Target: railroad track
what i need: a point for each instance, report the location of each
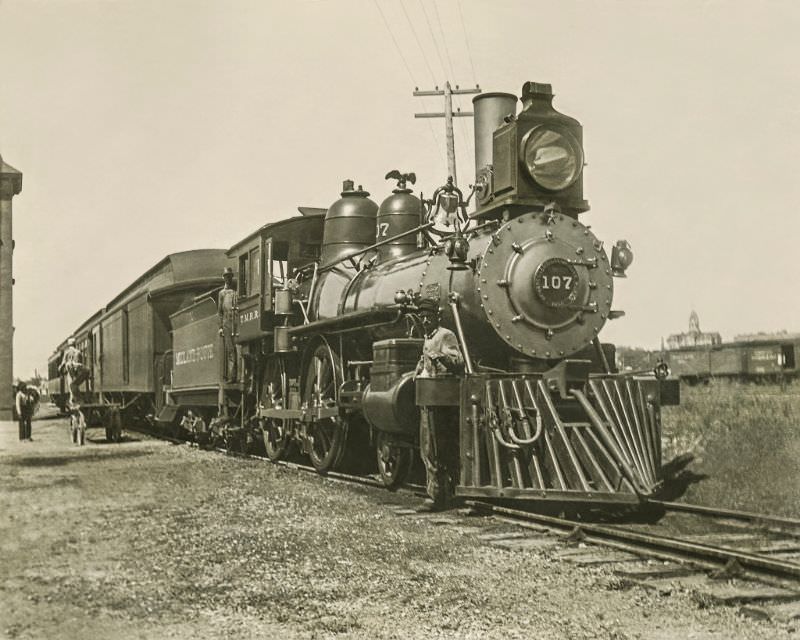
(776, 522)
(759, 570)
(706, 555)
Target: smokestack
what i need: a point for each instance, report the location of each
(489, 109)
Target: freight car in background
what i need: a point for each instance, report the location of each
(767, 360)
(127, 343)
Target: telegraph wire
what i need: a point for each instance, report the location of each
(396, 45)
(466, 42)
(462, 128)
(444, 40)
(410, 74)
(419, 44)
(433, 37)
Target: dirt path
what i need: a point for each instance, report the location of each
(150, 540)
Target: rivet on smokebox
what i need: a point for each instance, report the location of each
(501, 283)
(516, 318)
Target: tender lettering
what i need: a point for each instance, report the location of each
(195, 354)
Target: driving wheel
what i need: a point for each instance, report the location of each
(274, 392)
(327, 436)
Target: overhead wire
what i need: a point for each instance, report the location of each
(396, 45)
(466, 42)
(444, 40)
(462, 127)
(419, 44)
(437, 144)
(433, 37)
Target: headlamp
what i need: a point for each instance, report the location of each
(552, 156)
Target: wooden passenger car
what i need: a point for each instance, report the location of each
(126, 343)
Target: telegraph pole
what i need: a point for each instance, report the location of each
(448, 116)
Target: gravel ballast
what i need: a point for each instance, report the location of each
(147, 539)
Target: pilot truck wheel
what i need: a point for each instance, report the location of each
(394, 461)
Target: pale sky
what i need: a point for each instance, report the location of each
(148, 127)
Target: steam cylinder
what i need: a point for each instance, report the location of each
(349, 224)
(400, 212)
(489, 109)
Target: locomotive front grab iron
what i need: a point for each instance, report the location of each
(526, 286)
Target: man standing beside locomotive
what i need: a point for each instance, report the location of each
(226, 308)
(438, 426)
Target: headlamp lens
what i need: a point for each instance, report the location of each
(553, 158)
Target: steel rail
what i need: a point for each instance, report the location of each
(659, 546)
(777, 521)
(647, 541)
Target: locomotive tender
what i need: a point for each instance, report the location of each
(329, 334)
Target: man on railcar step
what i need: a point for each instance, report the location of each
(438, 427)
(227, 324)
(73, 368)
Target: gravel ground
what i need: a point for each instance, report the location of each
(146, 539)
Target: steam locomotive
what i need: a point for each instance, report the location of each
(328, 333)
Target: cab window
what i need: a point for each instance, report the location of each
(254, 272)
(243, 273)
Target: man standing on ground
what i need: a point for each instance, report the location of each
(438, 427)
(226, 308)
(25, 401)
